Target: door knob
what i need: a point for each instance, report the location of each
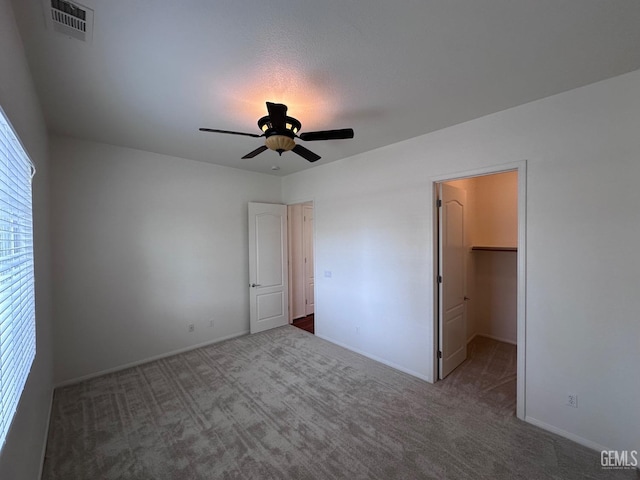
(254, 285)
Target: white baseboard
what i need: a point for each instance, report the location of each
(147, 360)
(377, 359)
(563, 433)
(571, 436)
(493, 337)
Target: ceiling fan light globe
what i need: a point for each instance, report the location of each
(280, 143)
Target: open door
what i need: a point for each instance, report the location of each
(451, 279)
(307, 235)
(268, 275)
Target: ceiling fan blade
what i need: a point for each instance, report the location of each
(256, 152)
(327, 135)
(306, 153)
(230, 132)
(277, 114)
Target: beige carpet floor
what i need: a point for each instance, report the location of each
(285, 404)
(487, 377)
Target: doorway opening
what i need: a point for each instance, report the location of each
(479, 274)
(301, 266)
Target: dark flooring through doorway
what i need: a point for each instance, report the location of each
(305, 323)
(487, 376)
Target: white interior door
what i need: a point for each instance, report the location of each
(296, 263)
(451, 308)
(268, 266)
(307, 234)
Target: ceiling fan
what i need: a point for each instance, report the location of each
(280, 131)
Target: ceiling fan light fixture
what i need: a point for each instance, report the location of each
(280, 143)
(291, 127)
(281, 131)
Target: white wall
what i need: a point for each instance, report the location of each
(495, 294)
(496, 214)
(145, 244)
(21, 456)
(374, 233)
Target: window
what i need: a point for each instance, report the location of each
(17, 299)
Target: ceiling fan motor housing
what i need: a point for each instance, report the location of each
(280, 139)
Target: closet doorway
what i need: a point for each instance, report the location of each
(479, 265)
(301, 266)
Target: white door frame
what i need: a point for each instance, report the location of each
(521, 168)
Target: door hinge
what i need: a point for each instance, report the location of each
(439, 278)
(439, 203)
(439, 354)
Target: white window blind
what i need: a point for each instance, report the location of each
(17, 299)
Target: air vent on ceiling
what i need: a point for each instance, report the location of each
(70, 19)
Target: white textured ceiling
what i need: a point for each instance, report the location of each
(158, 70)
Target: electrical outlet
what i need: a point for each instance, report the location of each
(572, 400)
(192, 327)
(210, 324)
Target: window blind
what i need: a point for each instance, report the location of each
(17, 298)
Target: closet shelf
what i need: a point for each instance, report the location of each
(494, 249)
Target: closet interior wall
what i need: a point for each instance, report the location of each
(491, 273)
